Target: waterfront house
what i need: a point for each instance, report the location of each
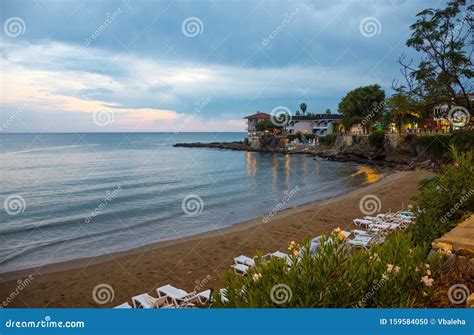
(252, 121)
(268, 136)
(317, 124)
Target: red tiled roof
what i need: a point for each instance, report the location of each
(258, 116)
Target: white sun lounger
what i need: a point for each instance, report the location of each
(281, 255)
(147, 301)
(179, 297)
(360, 232)
(124, 305)
(244, 260)
(361, 241)
(240, 269)
(362, 222)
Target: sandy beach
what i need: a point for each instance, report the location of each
(198, 262)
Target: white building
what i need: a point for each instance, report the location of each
(317, 124)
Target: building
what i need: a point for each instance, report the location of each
(317, 124)
(252, 121)
(444, 117)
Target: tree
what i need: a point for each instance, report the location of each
(362, 105)
(303, 107)
(267, 124)
(401, 105)
(444, 73)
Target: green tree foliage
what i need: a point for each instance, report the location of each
(303, 107)
(266, 124)
(362, 104)
(401, 106)
(443, 37)
(386, 276)
(444, 199)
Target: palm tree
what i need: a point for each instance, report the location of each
(303, 107)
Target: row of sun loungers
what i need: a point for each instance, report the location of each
(169, 297)
(376, 229)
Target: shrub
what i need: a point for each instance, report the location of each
(444, 199)
(328, 139)
(462, 140)
(246, 142)
(377, 140)
(385, 276)
(435, 145)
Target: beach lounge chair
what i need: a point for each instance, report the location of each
(180, 298)
(360, 232)
(147, 301)
(204, 297)
(124, 305)
(244, 260)
(362, 222)
(363, 241)
(279, 254)
(240, 269)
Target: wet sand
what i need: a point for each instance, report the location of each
(197, 262)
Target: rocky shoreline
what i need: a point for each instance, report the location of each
(394, 162)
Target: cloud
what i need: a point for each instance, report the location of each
(152, 76)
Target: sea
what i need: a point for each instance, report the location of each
(67, 196)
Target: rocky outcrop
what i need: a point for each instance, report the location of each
(393, 152)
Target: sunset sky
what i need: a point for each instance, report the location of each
(190, 65)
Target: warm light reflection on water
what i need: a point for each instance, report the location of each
(251, 164)
(372, 175)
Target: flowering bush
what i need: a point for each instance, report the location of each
(390, 275)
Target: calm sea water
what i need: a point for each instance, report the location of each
(68, 196)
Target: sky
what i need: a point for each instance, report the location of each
(178, 66)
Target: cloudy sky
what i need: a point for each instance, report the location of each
(77, 66)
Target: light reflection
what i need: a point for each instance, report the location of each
(251, 164)
(372, 175)
(275, 172)
(287, 169)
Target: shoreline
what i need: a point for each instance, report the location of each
(197, 262)
(235, 227)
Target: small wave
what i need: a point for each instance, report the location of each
(50, 148)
